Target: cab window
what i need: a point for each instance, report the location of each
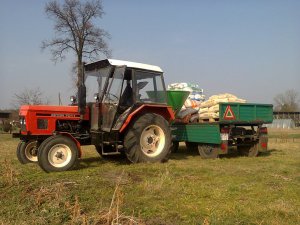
(149, 87)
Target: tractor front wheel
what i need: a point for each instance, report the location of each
(59, 153)
(148, 139)
(27, 151)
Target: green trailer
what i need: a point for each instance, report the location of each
(240, 127)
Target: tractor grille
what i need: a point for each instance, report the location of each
(23, 123)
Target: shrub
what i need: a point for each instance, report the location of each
(7, 127)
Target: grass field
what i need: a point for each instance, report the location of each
(185, 190)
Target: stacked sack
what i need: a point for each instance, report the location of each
(196, 96)
(210, 108)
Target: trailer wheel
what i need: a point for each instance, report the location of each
(27, 152)
(191, 146)
(59, 153)
(250, 151)
(208, 151)
(148, 139)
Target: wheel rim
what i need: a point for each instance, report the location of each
(152, 140)
(208, 150)
(59, 155)
(31, 151)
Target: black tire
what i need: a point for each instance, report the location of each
(21, 159)
(208, 151)
(142, 135)
(45, 142)
(175, 146)
(250, 151)
(27, 152)
(191, 146)
(58, 153)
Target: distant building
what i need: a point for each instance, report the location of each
(295, 116)
(282, 124)
(4, 115)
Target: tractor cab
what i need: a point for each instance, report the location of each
(117, 89)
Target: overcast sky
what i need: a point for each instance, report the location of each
(249, 48)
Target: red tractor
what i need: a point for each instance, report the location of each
(123, 109)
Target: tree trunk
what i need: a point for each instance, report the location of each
(79, 72)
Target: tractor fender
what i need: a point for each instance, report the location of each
(163, 110)
(74, 139)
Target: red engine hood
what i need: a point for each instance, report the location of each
(52, 110)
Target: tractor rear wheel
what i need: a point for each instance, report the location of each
(208, 151)
(148, 139)
(27, 151)
(249, 150)
(59, 153)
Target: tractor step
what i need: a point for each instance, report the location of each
(111, 153)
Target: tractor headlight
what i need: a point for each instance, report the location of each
(23, 123)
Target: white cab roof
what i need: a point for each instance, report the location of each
(136, 65)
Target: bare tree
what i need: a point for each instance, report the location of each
(30, 97)
(76, 32)
(287, 102)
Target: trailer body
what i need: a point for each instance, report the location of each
(240, 125)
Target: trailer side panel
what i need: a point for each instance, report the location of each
(201, 133)
(247, 113)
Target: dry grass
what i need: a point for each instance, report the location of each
(8, 173)
(114, 214)
(186, 190)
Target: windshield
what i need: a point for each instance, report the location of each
(95, 82)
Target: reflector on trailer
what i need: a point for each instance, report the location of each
(229, 115)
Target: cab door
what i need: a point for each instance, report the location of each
(111, 98)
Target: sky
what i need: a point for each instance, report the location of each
(249, 48)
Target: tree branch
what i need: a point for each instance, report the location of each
(75, 31)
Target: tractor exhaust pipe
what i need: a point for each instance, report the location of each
(81, 92)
